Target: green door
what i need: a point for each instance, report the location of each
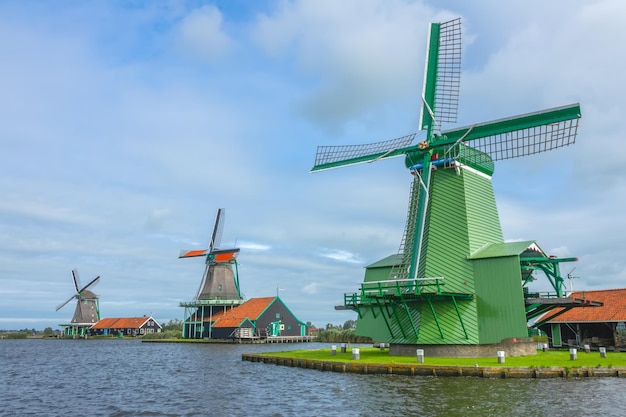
(556, 335)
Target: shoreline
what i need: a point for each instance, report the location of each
(436, 370)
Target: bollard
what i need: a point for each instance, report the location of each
(572, 354)
(420, 355)
(355, 354)
(603, 352)
(333, 350)
(343, 348)
(587, 348)
(545, 347)
(500, 356)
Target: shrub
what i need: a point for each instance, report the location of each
(17, 335)
(167, 334)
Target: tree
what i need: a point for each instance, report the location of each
(48, 331)
(174, 324)
(349, 324)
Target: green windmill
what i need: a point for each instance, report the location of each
(455, 281)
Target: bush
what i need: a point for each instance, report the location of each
(17, 335)
(342, 336)
(167, 334)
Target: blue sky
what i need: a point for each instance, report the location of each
(125, 125)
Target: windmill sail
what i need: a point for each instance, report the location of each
(328, 157)
(442, 75)
(219, 280)
(216, 237)
(192, 253)
(515, 137)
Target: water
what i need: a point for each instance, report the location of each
(130, 378)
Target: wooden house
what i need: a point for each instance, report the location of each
(264, 317)
(601, 326)
(129, 326)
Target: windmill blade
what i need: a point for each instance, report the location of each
(91, 284)
(513, 137)
(328, 157)
(76, 279)
(60, 306)
(192, 253)
(224, 255)
(442, 75)
(216, 237)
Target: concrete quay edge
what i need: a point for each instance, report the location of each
(355, 366)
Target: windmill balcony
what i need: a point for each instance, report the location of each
(400, 289)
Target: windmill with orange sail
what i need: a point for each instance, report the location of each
(219, 288)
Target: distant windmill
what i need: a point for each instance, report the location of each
(87, 310)
(449, 283)
(570, 277)
(219, 287)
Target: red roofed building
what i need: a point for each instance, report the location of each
(263, 317)
(595, 326)
(129, 326)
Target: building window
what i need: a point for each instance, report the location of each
(621, 327)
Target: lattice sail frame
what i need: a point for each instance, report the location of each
(448, 72)
(328, 157)
(515, 143)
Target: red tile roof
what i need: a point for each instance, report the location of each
(121, 323)
(613, 310)
(251, 310)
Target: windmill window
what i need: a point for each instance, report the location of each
(219, 287)
(277, 315)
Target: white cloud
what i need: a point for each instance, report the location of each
(310, 289)
(202, 35)
(341, 256)
(252, 246)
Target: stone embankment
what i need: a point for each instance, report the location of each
(437, 370)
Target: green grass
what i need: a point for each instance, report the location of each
(556, 358)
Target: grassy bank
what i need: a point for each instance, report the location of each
(553, 358)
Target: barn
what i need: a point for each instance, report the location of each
(601, 326)
(263, 317)
(128, 326)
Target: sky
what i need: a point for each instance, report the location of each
(124, 126)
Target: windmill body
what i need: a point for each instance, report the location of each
(454, 281)
(219, 288)
(87, 311)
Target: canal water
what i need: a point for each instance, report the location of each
(130, 378)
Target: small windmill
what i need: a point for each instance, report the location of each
(87, 310)
(219, 281)
(452, 217)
